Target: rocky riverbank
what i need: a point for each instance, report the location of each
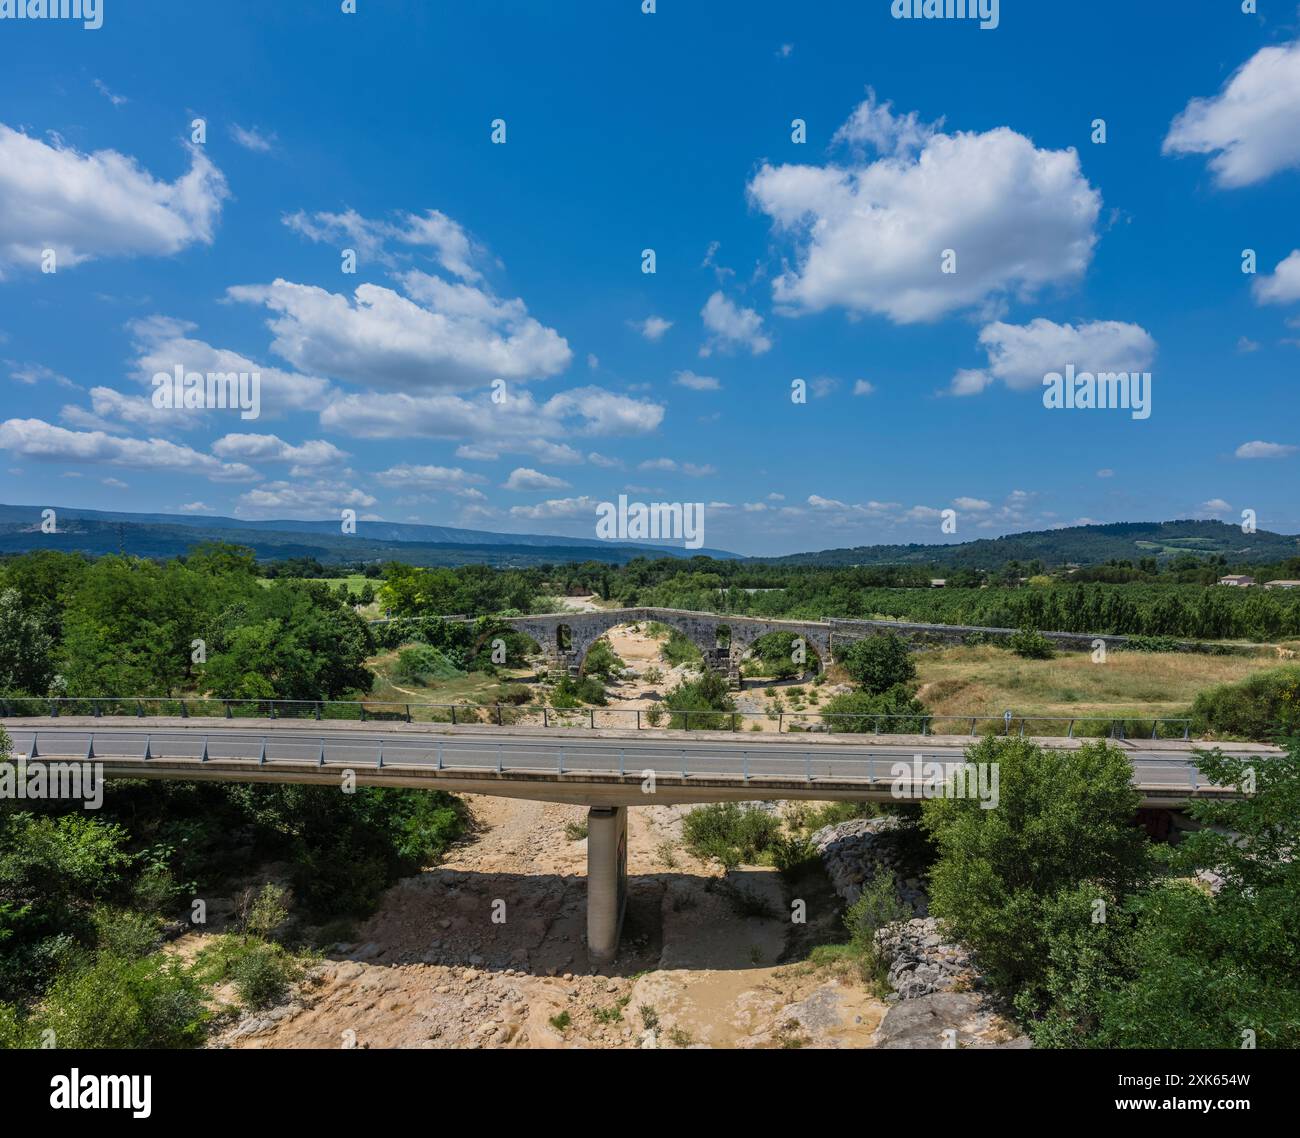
(939, 998)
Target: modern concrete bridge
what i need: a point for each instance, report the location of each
(607, 771)
(566, 637)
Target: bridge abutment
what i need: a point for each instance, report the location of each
(606, 880)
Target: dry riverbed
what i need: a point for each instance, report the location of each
(433, 969)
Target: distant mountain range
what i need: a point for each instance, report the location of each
(167, 535)
(1075, 545)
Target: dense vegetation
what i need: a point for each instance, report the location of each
(205, 624)
(1174, 599)
(1103, 941)
(87, 900)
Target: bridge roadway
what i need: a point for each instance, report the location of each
(607, 771)
(601, 768)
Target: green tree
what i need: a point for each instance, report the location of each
(1062, 818)
(878, 663)
(861, 711)
(26, 664)
(700, 697)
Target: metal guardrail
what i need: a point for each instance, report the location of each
(470, 755)
(499, 714)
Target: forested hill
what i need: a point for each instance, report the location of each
(1075, 545)
(97, 532)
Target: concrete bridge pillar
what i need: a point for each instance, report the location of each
(606, 880)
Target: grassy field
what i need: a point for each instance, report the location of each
(354, 582)
(986, 681)
(476, 687)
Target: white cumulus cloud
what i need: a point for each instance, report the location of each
(1283, 287)
(1259, 449)
(731, 327)
(1021, 354)
(104, 204)
(870, 235)
(439, 336)
(1250, 126)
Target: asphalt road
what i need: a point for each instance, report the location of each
(696, 756)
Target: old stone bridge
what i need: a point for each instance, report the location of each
(566, 637)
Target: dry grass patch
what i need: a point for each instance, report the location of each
(987, 680)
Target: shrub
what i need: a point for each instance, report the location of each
(678, 649)
(774, 655)
(1031, 644)
(700, 697)
(730, 832)
(261, 913)
(264, 975)
(863, 711)
(878, 663)
(1063, 818)
(570, 693)
(1261, 707)
(421, 663)
(604, 662)
(262, 972)
(793, 853)
(125, 934)
(878, 906)
(151, 1002)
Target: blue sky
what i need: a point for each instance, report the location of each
(775, 261)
